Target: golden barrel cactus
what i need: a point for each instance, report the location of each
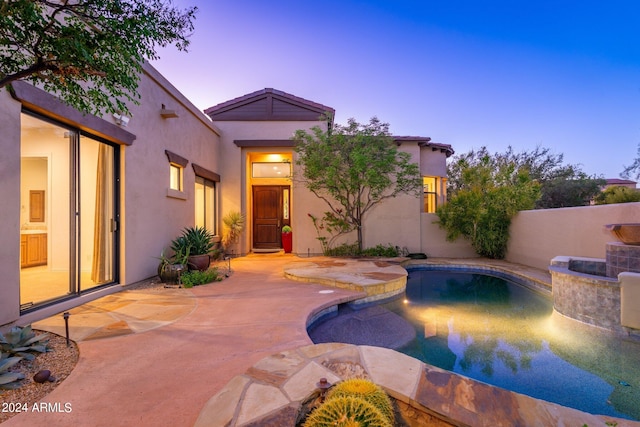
(347, 411)
(367, 390)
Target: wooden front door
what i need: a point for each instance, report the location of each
(268, 215)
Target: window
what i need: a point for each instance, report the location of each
(271, 170)
(177, 164)
(205, 198)
(175, 177)
(70, 246)
(435, 191)
(205, 204)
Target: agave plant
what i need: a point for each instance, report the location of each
(20, 341)
(9, 380)
(199, 239)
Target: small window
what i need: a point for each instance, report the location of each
(175, 177)
(177, 164)
(271, 170)
(435, 191)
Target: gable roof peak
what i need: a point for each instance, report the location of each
(268, 104)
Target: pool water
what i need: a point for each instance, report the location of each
(501, 333)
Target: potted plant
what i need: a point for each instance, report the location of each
(171, 267)
(287, 239)
(200, 244)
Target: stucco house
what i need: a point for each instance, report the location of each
(90, 202)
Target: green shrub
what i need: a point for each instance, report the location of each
(347, 411)
(367, 390)
(352, 249)
(21, 341)
(194, 277)
(381, 250)
(344, 249)
(618, 194)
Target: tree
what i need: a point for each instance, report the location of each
(633, 170)
(87, 52)
(561, 185)
(489, 191)
(618, 194)
(354, 168)
(562, 193)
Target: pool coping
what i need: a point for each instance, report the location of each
(270, 392)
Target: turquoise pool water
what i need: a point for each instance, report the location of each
(502, 333)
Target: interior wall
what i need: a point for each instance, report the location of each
(48, 141)
(35, 173)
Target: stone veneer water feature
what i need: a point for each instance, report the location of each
(602, 292)
(582, 292)
(622, 258)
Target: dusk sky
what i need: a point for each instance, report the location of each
(558, 74)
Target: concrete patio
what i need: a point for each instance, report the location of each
(164, 357)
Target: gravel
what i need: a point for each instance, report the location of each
(60, 360)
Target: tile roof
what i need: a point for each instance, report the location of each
(425, 141)
(266, 91)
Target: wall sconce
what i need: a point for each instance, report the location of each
(121, 119)
(168, 114)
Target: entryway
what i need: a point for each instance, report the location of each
(271, 211)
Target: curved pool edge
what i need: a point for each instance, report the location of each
(271, 391)
(535, 279)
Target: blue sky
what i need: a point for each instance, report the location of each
(559, 74)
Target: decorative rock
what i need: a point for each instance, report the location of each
(43, 376)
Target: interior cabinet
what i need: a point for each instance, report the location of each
(36, 206)
(33, 249)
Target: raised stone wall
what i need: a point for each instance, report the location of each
(594, 300)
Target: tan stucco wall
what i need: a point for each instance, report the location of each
(396, 221)
(433, 163)
(435, 244)
(236, 194)
(152, 219)
(538, 236)
(10, 207)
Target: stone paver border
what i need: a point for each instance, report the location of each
(271, 392)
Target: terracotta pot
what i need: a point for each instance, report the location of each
(199, 262)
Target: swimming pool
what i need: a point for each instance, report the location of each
(502, 333)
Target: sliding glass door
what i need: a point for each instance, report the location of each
(68, 211)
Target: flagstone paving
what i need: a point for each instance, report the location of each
(123, 313)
